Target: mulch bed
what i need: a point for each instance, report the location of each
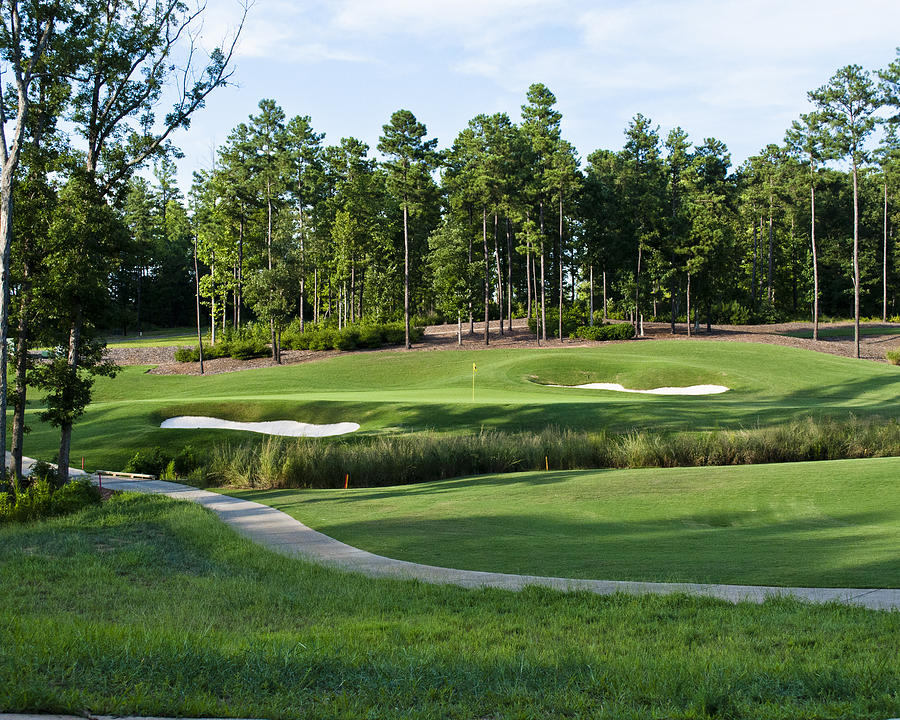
(444, 337)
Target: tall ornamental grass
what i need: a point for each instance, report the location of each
(425, 457)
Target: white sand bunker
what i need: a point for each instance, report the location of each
(287, 428)
(690, 390)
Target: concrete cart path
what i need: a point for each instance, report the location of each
(284, 534)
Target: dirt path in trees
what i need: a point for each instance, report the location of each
(444, 337)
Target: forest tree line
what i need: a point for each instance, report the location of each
(509, 222)
(286, 229)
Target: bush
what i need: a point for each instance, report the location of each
(247, 349)
(370, 336)
(893, 356)
(34, 503)
(618, 331)
(151, 461)
(573, 317)
(73, 496)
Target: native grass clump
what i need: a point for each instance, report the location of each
(430, 456)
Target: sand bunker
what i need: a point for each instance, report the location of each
(287, 428)
(690, 390)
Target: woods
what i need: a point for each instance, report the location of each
(287, 233)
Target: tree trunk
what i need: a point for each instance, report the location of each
(316, 295)
(528, 271)
(770, 289)
(459, 328)
(591, 304)
(197, 287)
(560, 264)
(6, 219)
(487, 277)
(18, 429)
(65, 430)
(815, 259)
(855, 257)
(499, 272)
(240, 283)
(689, 303)
(755, 253)
(605, 316)
(509, 285)
(543, 282)
(406, 271)
(637, 286)
(885, 268)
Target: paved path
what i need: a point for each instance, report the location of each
(284, 534)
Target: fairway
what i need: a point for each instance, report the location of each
(824, 524)
(390, 391)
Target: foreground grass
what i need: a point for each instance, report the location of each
(400, 392)
(823, 524)
(151, 607)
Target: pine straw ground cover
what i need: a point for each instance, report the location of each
(151, 607)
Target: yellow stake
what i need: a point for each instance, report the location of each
(474, 370)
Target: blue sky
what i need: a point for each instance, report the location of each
(735, 70)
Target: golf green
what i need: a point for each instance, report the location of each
(396, 391)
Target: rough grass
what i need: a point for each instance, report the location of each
(825, 524)
(847, 331)
(150, 607)
(416, 458)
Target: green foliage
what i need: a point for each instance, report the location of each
(617, 331)
(239, 348)
(163, 463)
(350, 337)
(400, 460)
(573, 316)
(42, 499)
(893, 357)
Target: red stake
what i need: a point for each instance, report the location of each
(346, 480)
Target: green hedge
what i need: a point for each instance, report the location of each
(893, 357)
(350, 337)
(240, 349)
(617, 331)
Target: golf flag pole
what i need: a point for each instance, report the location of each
(474, 370)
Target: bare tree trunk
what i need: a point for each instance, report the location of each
(471, 305)
(770, 289)
(240, 283)
(560, 264)
(316, 295)
(689, 303)
(499, 273)
(65, 430)
(509, 286)
(18, 429)
(543, 282)
(528, 263)
(592, 296)
(487, 277)
(197, 288)
(605, 316)
(637, 286)
(755, 253)
(815, 259)
(406, 271)
(885, 268)
(855, 257)
(459, 328)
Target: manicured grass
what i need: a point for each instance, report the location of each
(823, 524)
(391, 391)
(847, 331)
(157, 338)
(151, 607)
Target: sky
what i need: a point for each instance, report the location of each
(737, 70)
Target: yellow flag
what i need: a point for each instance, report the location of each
(474, 368)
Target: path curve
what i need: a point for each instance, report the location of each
(282, 533)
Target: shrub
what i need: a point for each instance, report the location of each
(34, 503)
(617, 331)
(370, 336)
(151, 461)
(249, 348)
(73, 496)
(893, 356)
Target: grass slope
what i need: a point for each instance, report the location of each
(845, 331)
(151, 607)
(393, 391)
(824, 524)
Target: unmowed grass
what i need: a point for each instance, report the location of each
(423, 457)
(151, 607)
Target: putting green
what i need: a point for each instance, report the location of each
(391, 391)
(824, 524)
